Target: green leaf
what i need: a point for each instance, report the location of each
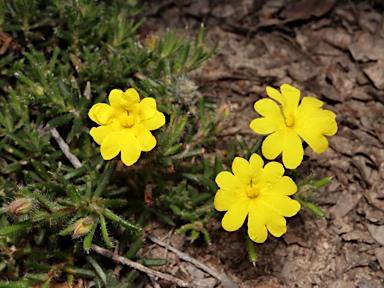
(60, 120)
(14, 228)
(104, 231)
(110, 168)
(88, 239)
(98, 269)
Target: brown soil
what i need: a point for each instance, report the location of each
(332, 50)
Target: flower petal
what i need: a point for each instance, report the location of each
(273, 145)
(256, 164)
(148, 108)
(115, 97)
(111, 145)
(129, 98)
(292, 98)
(131, 149)
(236, 215)
(315, 140)
(101, 113)
(273, 119)
(279, 205)
(225, 199)
(257, 230)
(146, 139)
(276, 95)
(99, 133)
(272, 173)
(241, 170)
(155, 122)
(309, 102)
(227, 181)
(312, 123)
(268, 108)
(286, 186)
(311, 116)
(293, 151)
(276, 225)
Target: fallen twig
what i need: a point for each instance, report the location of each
(225, 282)
(65, 148)
(139, 267)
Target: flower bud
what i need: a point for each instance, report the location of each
(20, 206)
(82, 227)
(322, 182)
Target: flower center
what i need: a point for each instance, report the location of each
(127, 120)
(253, 191)
(289, 120)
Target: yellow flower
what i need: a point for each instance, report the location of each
(291, 123)
(125, 125)
(261, 193)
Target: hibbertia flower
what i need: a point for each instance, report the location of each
(125, 125)
(261, 193)
(290, 123)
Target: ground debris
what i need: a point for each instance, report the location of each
(332, 50)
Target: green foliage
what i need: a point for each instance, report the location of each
(58, 196)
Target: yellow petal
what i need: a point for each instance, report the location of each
(155, 122)
(236, 215)
(111, 145)
(256, 167)
(309, 102)
(278, 205)
(286, 186)
(115, 97)
(227, 181)
(131, 149)
(225, 199)
(276, 225)
(273, 145)
(146, 139)
(293, 151)
(148, 108)
(276, 95)
(256, 162)
(267, 125)
(292, 98)
(241, 170)
(332, 124)
(101, 113)
(315, 140)
(268, 108)
(312, 123)
(99, 133)
(257, 230)
(129, 98)
(311, 116)
(272, 173)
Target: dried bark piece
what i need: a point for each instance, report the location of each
(375, 72)
(341, 284)
(377, 233)
(365, 171)
(305, 9)
(379, 253)
(359, 236)
(366, 47)
(337, 37)
(346, 202)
